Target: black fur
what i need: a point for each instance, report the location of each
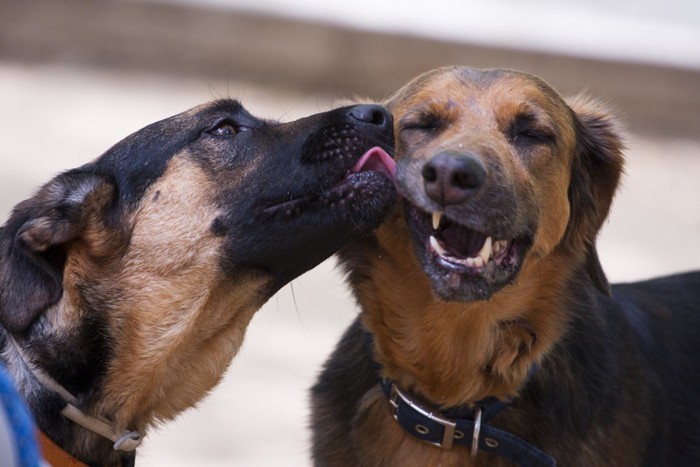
(628, 359)
(272, 183)
(618, 374)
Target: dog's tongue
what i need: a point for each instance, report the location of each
(376, 160)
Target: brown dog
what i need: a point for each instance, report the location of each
(488, 329)
(126, 285)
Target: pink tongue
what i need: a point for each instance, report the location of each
(376, 160)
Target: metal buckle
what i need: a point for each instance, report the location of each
(475, 435)
(449, 427)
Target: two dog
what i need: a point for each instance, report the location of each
(488, 332)
(126, 285)
(488, 328)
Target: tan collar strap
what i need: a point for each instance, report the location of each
(123, 440)
(54, 455)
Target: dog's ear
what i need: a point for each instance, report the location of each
(595, 174)
(33, 243)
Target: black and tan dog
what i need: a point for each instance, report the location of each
(126, 285)
(488, 327)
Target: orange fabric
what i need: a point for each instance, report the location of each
(55, 455)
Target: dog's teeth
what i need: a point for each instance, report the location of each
(479, 261)
(485, 252)
(499, 247)
(437, 216)
(436, 246)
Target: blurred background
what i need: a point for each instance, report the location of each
(76, 76)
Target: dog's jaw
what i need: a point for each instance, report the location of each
(370, 177)
(462, 263)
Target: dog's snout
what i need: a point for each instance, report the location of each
(372, 114)
(450, 178)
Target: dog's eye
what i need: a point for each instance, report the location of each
(225, 128)
(422, 123)
(531, 136)
(525, 131)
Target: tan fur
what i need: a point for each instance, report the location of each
(416, 336)
(429, 330)
(130, 281)
(455, 353)
(206, 318)
(177, 271)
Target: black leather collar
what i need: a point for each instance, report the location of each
(463, 427)
(468, 427)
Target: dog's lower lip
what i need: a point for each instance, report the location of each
(352, 183)
(365, 181)
(456, 255)
(374, 163)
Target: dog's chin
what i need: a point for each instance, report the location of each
(303, 231)
(462, 263)
(360, 200)
(357, 201)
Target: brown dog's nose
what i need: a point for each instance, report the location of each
(450, 178)
(372, 114)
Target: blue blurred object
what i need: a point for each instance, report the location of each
(18, 446)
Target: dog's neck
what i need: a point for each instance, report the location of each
(125, 441)
(70, 428)
(140, 384)
(453, 353)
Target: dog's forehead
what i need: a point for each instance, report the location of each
(141, 158)
(204, 115)
(476, 90)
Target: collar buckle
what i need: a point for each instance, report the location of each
(449, 428)
(476, 433)
(123, 440)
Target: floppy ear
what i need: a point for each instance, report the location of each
(595, 174)
(32, 244)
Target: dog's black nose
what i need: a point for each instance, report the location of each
(450, 178)
(373, 114)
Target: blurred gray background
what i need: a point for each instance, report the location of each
(76, 76)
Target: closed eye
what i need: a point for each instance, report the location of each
(525, 130)
(422, 122)
(533, 136)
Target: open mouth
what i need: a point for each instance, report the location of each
(371, 176)
(464, 263)
(462, 248)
